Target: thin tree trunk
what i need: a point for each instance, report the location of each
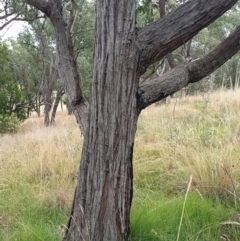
(47, 105)
(56, 103)
(67, 63)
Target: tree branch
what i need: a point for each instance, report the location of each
(19, 19)
(7, 23)
(41, 5)
(175, 79)
(168, 33)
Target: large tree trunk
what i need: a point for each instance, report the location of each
(104, 190)
(103, 194)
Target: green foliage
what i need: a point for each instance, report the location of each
(9, 124)
(10, 96)
(147, 9)
(83, 40)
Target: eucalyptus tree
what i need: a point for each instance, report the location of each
(122, 53)
(25, 62)
(15, 10)
(11, 95)
(47, 73)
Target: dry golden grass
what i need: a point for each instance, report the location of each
(46, 159)
(188, 136)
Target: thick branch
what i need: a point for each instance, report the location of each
(169, 83)
(166, 34)
(217, 57)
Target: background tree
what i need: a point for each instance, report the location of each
(10, 95)
(14, 10)
(37, 73)
(47, 73)
(26, 71)
(63, 25)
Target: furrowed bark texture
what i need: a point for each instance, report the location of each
(103, 195)
(174, 80)
(104, 192)
(175, 29)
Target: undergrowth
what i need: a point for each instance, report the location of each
(186, 137)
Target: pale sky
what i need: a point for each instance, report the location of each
(12, 30)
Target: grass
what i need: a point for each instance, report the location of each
(159, 218)
(186, 137)
(37, 179)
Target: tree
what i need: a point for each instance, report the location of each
(26, 69)
(39, 43)
(103, 195)
(61, 14)
(122, 54)
(10, 93)
(48, 74)
(11, 96)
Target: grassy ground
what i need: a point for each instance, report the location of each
(186, 138)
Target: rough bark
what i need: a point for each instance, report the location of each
(103, 195)
(169, 83)
(104, 191)
(168, 33)
(67, 65)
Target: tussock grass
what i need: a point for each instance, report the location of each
(190, 136)
(157, 218)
